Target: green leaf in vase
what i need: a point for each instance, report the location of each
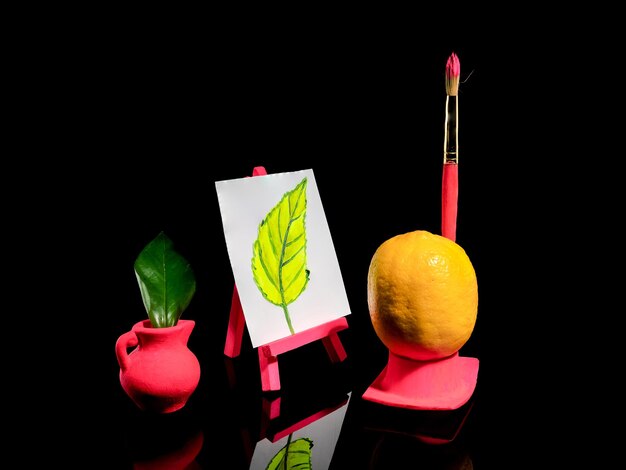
(295, 455)
(166, 281)
(279, 261)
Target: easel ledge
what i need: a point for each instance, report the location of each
(268, 353)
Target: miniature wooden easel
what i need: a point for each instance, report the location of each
(268, 353)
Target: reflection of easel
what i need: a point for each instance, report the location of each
(282, 416)
(268, 353)
(275, 429)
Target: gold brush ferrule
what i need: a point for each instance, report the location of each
(450, 141)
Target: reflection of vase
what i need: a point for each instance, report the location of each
(179, 459)
(161, 373)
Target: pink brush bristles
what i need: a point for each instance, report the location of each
(453, 70)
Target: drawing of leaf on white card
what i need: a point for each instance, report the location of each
(295, 455)
(279, 261)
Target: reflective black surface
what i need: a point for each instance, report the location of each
(159, 122)
(229, 419)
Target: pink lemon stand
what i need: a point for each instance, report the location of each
(268, 353)
(440, 384)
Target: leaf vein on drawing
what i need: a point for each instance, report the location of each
(278, 219)
(281, 264)
(284, 263)
(294, 455)
(272, 238)
(298, 237)
(265, 269)
(278, 264)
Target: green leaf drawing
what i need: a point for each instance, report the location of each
(166, 281)
(279, 261)
(295, 455)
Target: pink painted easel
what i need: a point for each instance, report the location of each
(268, 353)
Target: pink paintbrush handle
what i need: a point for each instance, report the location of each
(449, 198)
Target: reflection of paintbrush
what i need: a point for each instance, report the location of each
(450, 181)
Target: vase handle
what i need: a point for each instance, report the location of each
(127, 340)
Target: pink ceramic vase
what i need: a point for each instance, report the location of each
(161, 373)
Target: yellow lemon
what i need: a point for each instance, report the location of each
(422, 294)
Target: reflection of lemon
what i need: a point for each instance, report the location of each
(422, 295)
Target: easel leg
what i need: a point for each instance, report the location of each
(271, 408)
(270, 378)
(248, 447)
(334, 348)
(236, 324)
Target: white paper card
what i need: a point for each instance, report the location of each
(282, 254)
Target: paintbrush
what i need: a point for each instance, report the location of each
(450, 180)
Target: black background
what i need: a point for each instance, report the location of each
(155, 112)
